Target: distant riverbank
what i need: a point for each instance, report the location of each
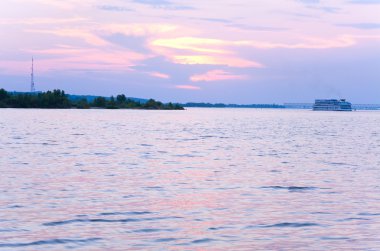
(221, 105)
(58, 99)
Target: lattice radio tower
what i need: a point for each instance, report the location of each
(32, 86)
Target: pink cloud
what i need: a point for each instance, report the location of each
(193, 44)
(216, 75)
(231, 61)
(82, 34)
(203, 51)
(188, 87)
(305, 43)
(138, 29)
(159, 75)
(71, 58)
(207, 51)
(57, 4)
(208, 45)
(40, 21)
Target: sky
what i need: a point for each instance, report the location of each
(230, 51)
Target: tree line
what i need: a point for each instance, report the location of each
(58, 99)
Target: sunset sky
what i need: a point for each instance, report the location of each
(232, 51)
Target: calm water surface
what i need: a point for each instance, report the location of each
(200, 179)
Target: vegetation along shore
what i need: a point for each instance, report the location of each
(58, 99)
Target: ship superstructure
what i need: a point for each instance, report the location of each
(332, 105)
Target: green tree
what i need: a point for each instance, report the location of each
(121, 99)
(3, 95)
(112, 103)
(83, 104)
(150, 104)
(99, 102)
(170, 105)
(178, 107)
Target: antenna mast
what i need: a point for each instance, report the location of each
(32, 86)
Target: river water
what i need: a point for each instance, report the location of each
(200, 179)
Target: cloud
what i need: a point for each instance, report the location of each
(315, 5)
(230, 23)
(362, 26)
(307, 43)
(191, 43)
(214, 20)
(206, 51)
(325, 9)
(300, 15)
(65, 5)
(188, 87)
(256, 28)
(83, 34)
(202, 51)
(216, 75)
(159, 75)
(106, 34)
(216, 45)
(153, 2)
(231, 61)
(41, 20)
(136, 43)
(74, 58)
(113, 8)
(365, 1)
(138, 29)
(308, 1)
(163, 4)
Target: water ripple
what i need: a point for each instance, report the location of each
(152, 230)
(166, 239)
(65, 222)
(290, 188)
(50, 242)
(369, 214)
(204, 240)
(287, 225)
(125, 213)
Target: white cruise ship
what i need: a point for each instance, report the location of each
(332, 105)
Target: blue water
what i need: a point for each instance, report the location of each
(200, 179)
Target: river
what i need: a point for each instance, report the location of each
(199, 179)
